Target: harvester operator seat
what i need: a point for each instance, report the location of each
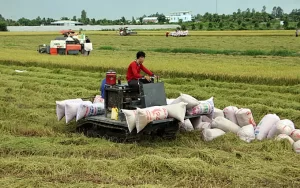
(152, 94)
(139, 82)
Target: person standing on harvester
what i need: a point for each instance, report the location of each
(133, 73)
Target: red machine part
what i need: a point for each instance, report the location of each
(111, 78)
(53, 51)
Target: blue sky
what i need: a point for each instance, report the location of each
(114, 9)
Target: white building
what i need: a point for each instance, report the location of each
(150, 20)
(185, 16)
(281, 22)
(66, 23)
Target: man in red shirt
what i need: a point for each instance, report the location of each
(133, 73)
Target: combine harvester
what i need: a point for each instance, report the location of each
(118, 96)
(68, 44)
(179, 33)
(126, 32)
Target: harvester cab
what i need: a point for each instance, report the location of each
(121, 96)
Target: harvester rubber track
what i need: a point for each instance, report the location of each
(117, 131)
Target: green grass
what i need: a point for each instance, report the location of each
(107, 48)
(282, 53)
(185, 162)
(38, 151)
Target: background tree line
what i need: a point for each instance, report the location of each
(239, 20)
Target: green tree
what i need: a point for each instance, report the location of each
(133, 21)
(198, 17)
(210, 26)
(286, 24)
(279, 12)
(83, 16)
(193, 26)
(87, 21)
(123, 20)
(217, 21)
(298, 25)
(64, 18)
(200, 26)
(244, 25)
(161, 18)
(141, 20)
(3, 26)
(25, 22)
(221, 25)
(274, 12)
(49, 20)
(2, 18)
(264, 9)
(38, 20)
(93, 21)
(239, 21)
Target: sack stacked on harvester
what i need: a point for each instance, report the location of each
(141, 117)
(175, 108)
(79, 109)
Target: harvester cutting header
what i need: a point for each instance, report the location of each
(70, 43)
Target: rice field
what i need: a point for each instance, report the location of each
(38, 151)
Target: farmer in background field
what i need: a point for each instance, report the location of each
(134, 77)
(297, 32)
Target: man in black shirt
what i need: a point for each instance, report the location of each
(87, 40)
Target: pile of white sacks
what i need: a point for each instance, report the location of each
(218, 122)
(78, 109)
(213, 123)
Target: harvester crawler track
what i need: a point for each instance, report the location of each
(117, 131)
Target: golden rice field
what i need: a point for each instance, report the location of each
(162, 32)
(38, 151)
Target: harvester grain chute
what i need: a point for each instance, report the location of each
(68, 44)
(121, 96)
